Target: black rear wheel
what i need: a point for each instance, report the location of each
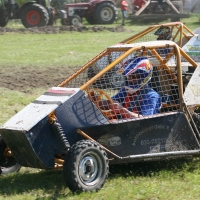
(34, 15)
(51, 17)
(3, 18)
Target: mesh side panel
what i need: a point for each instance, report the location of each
(152, 37)
(94, 69)
(158, 90)
(146, 38)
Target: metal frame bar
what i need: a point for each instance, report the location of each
(179, 25)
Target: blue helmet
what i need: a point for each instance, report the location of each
(137, 65)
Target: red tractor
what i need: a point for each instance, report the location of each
(94, 11)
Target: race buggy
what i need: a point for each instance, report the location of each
(188, 40)
(68, 127)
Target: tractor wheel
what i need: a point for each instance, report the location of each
(3, 22)
(34, 15)
(3, 18)
(105, 13)
(51, 17)
(74, 20)
(90, 20)
(64, 22)
(86, 166)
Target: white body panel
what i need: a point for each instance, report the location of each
(40, 108)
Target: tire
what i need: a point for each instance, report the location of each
(51, 17)
(10, 166)
(7, 165)
(64, 22)
(90, 20)
(74, 20)
(2, 150)
(85, 167)
(3, 18)
(34, 15)
(105, 13)
(4, 22)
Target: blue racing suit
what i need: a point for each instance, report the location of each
(146, 101)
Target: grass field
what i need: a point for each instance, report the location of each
(174, 180)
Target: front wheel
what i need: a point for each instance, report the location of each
(3, 22)
(86, 166)
(51, 14)
(105, 13)
(34, 15)
(74, 20)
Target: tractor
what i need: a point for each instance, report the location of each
(94, 11)
(32, 13)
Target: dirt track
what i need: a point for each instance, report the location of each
(61, 29)
(25, 79)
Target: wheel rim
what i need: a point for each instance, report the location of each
(89, 169)
(75, 21)
(106, 14)
(33, 17)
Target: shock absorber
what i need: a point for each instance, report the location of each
(58, 130)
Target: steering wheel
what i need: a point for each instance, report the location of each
(102, 101)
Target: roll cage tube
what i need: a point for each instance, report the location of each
(181, 28)
(128, 50)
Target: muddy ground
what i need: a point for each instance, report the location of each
(62, 29)
(25, 79)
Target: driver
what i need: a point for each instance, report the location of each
(164, 33)
(136, 98)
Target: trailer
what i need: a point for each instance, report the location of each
(152, 10)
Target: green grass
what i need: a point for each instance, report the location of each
(174, 180)
(41, 50)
